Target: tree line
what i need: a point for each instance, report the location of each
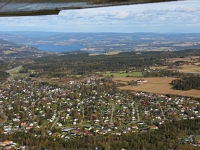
(83, 64)
(164, 138)
(186, 83)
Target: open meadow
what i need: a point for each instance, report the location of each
(155, 85)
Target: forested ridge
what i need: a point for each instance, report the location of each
(83, 64)
(164, 138)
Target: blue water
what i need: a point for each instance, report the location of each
(58, 48)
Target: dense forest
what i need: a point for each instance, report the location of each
(186, 83)
(83, 64)
(3, 74)
(163, 139)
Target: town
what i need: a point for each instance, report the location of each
(89, 107)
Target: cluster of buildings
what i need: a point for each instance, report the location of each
(193, 140)
(140, 82)
(86, 108)
(7, 144)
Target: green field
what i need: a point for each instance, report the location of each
(197, 138)
(76, 75)
(18, 69)
(133, 74)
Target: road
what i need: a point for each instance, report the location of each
(111, 118)
(138, 113)
(54, 123)
(5, 117)
(11, 71)
(162, 111)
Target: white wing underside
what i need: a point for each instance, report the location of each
(49, 7)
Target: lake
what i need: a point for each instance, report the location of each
(58, 48)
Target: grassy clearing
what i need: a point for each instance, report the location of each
(15, 72)
(94, 54)
(18, 69)
(86, 123)
(133, 74)
(156, 85)
(78, 76)
(113, 53)
(8, 52)
(197, 138)
(161, 67)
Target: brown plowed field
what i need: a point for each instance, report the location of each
(156, 85)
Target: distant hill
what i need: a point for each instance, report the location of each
(4, 42)
(108, 41)
(11, 51)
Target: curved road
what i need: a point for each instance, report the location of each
(11, 71)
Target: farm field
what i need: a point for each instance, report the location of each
(160, 67)
(113, 53)
(189, 59)
(108, 53)
(190, 69)
(8, 52)
(144, 47)
(135, 74)
(156, 85)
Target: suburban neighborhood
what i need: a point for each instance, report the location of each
(91, 107)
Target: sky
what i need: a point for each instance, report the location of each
(168, 17)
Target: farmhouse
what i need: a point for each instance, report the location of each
(140, 82)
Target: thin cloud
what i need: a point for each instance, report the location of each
(187, 9)
(155, 17)
(122, 15)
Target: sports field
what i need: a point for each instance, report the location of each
(156, 85)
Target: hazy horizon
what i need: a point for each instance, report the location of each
(103, 32)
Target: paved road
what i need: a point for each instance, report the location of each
(111, 118)
(5, 117)
(138, 113)
(132, 121)
(162, 110)
(54, 123)
(11, 71)
(83, 117)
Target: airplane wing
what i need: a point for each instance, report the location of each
(49, 7)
